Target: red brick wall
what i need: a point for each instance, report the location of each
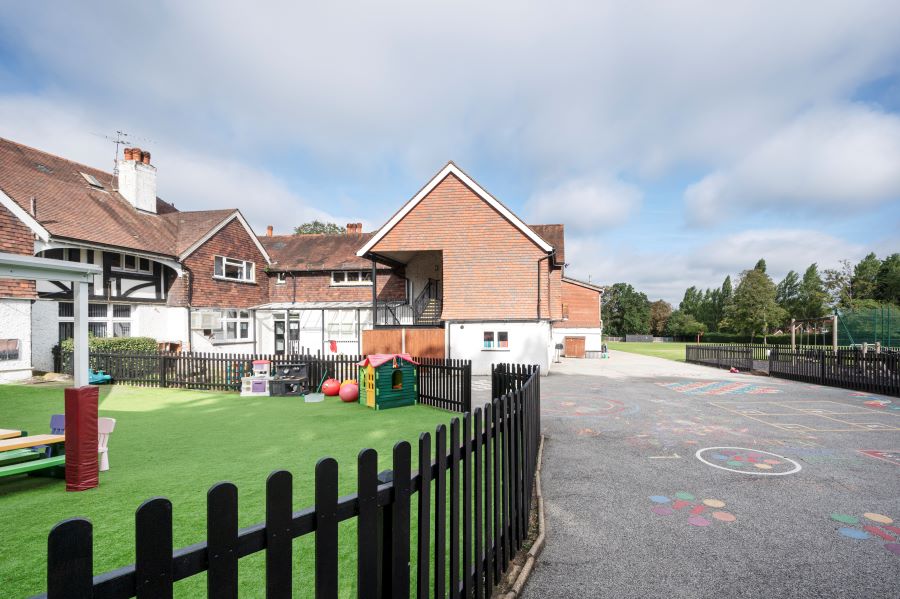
(583, 306)
(316, 286)
(489, 266)
(232, 241)
(15, 238)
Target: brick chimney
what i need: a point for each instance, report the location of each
(137, 179)
(269, 230)
(354, 228)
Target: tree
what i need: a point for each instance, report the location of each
(660, 311)
(761, 265)
(681, 324)
(625, 311)
(755, 310)
(690, 304)
(811, 297)
(887, 288)
(320, 227)
(726, 298)
(864, 282)
(838, 285)
(787, 294)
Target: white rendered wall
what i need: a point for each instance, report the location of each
(163, 323)
(265, 331)
(44, 333)
(592, 336)
(529, 343)
(15, 323)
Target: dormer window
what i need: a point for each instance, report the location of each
(234, 270)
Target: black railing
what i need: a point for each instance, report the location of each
(487, 502)
(426, 313)
(849, 368)
(445, 384)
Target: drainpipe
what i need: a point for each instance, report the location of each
(294, 285)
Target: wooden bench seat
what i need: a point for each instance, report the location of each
(57, 462)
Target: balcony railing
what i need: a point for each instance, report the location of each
(404, 314)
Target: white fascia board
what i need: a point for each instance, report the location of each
(235, 215)
(16, 266)
(55, 243)
(23, 216)
(469, 182)
(590, 286)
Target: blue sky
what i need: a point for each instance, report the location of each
(678, 142)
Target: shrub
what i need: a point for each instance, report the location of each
(140, 345)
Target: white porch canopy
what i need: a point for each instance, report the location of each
(14, 266)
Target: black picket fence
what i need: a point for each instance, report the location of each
(487, 501)
(848, 368)
(445, 384)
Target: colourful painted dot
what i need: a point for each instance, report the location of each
(844, 518)
(763, 466)
(893, 548)
(771, 461)
(659, 499)
(684, 495)
(853, 533)
(698, 521)
(661, 510)
(723, 516)
(880, 518)
(714, 502)
(719, 456)
(734, 464)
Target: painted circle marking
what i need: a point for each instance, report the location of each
(684, 495)
(845, 519)
(659, 499)
(736, 465)
(853, 533)
(880, 518)
(771, 461)
(723, 516)
(714, 502)
(698, 521)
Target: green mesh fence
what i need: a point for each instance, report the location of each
(870, 325)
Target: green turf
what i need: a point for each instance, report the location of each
(670, 351)
(177, 444)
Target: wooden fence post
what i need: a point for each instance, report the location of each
(70, 560)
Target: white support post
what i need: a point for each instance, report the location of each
(80, 357)
(834, 333)
(793, 335)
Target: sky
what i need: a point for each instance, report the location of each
(678, 142)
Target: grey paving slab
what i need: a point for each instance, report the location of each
(623, 430)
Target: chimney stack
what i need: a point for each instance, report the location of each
(354, 228)
(269, 230)
(137, 179)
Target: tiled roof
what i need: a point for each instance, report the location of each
(316, 251)
(69, 207)
(555, 235)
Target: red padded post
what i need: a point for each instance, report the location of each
(82, 469)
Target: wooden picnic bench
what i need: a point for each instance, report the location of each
(18, 456)
(8, 433)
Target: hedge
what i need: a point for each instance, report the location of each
(139, 345)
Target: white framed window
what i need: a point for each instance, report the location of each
(122, 262)
(496, 341)
(233, 269)
(223, 325)
(351, 278)
(341, 325)
(104, 320)
(280, 278)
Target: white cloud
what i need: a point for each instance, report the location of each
(585, 204)
(834, 158)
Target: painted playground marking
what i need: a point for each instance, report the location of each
(666, 506)
(884, 529)
(891, 456)
(747, 461)
(582, 408)
(814, 416)
(719, 388)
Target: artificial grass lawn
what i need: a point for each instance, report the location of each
(177, 444)
(670, 351)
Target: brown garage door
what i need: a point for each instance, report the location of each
(574, 347)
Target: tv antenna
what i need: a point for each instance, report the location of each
(121, 139)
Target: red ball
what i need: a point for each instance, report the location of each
(349, 392)
(331, 387)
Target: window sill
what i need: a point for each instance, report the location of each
(500, 349)
(231, 342)
(351, 285)
(226, 279)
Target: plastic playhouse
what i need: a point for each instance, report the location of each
(388, 381)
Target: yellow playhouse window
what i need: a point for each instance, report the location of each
(397, 379)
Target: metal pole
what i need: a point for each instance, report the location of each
(834, 332)
(80, 355)
(793, 335)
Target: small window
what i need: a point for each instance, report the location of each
(66, 310)
(73, 255)
(488, 340)
(121, 311)
(121, 329)
(351, 277)
(66, 331)
(130, 262)
(56, 254)
(366, 276)
(280, 278)
(97, 329)
(145, 265)
(337, 277)
(115, 260)
(502, 339)
(236, 270)
(97, 310)
(397, 379)
(92, 180)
